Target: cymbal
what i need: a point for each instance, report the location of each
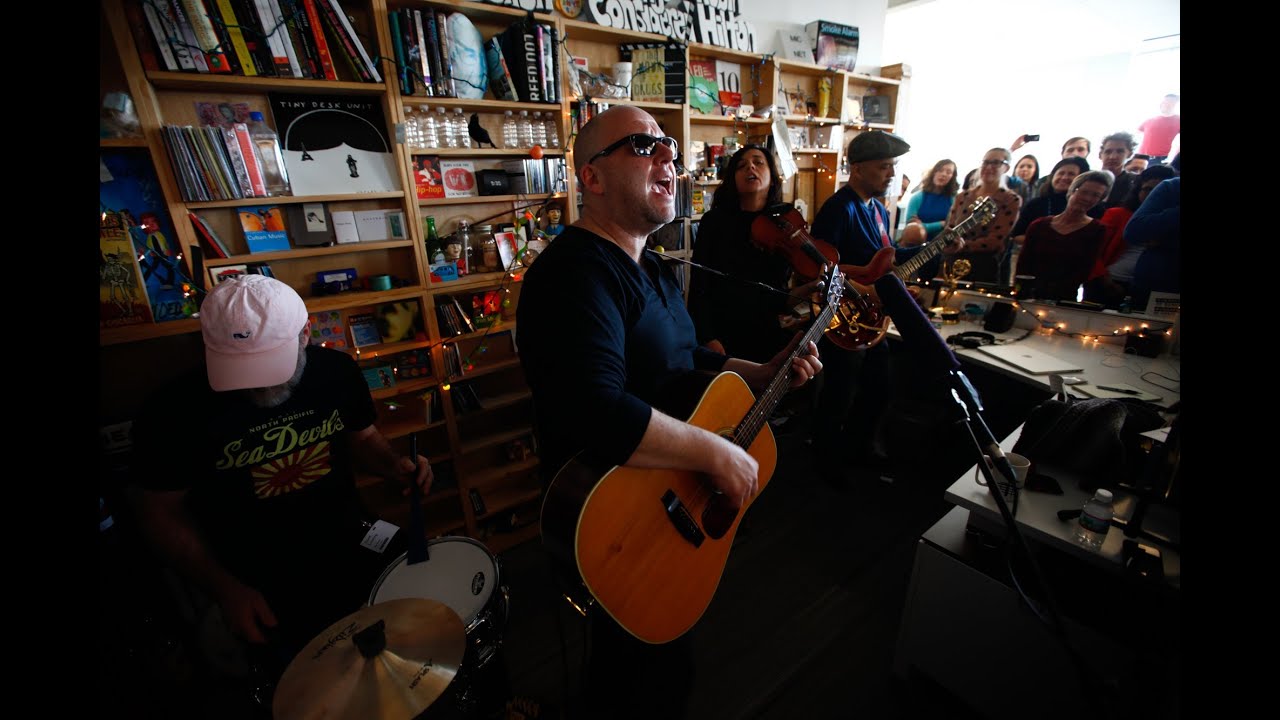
(388, 661)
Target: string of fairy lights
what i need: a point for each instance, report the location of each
(1051, 326)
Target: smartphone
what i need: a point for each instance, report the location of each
(1030, 138)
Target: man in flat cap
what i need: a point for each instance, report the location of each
(247, 472)
(855, 389)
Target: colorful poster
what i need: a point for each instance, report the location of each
(138, 240)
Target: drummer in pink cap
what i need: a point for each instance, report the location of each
(247, 472)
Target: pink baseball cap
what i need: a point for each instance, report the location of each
(251, 325)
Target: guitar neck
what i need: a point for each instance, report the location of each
(908, 269)
(759, 414)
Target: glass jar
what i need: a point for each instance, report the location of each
(485, 260)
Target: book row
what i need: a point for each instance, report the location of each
(215, 163)
(273, 228)
(267, 38)
(442, 54)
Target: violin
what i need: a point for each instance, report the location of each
(781, 229)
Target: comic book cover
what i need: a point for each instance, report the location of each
(138, 242)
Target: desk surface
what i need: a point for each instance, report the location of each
(1102, 363)
(1037, 518)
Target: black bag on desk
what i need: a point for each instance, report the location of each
(1097, 439)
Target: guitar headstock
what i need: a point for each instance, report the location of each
(983, 210)
(835, 285)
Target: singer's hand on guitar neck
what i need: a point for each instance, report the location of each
(954, 246)
(803, 367)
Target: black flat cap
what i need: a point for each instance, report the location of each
(876, 145)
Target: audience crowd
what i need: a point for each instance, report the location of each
(1054, 235)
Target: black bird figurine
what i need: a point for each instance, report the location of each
(477, 133)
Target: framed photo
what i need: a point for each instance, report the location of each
(796, 104)
(222, 272)
(507, 249)
(396, 226)
(875, 108)
(364, 330)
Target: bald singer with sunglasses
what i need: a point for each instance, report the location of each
(601, 327)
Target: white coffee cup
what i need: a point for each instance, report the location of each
(1021, 466)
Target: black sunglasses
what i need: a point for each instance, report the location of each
(641, 144)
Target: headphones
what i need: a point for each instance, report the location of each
(971, 339)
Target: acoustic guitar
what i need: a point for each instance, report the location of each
(854, 330)
(651, 544)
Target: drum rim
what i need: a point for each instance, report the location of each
(497, 573)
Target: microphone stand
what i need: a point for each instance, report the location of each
(968, 407)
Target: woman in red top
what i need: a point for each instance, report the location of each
(1113, 271)
(1060, 250)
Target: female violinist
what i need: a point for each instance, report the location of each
(742, 318)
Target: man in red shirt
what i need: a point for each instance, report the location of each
(1158, 132)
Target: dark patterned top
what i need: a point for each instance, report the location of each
(993, 236)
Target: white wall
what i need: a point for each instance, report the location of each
(986, 71)
(769, 16)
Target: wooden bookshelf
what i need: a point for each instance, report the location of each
(163, 97)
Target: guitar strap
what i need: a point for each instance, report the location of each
(884, 236)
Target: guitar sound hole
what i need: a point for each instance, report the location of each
(717, 516)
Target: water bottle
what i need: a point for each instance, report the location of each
(270, 156)
(553, 131)
(1095, 519)
(525, 130)
(428, 134)
(460, 128)
(510, 138)
(410, 129)
(539, 130)
(445, 129)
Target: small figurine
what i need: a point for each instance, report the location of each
(554, 227)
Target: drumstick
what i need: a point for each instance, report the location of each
(417, 551)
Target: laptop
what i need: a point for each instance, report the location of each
(1029, 360)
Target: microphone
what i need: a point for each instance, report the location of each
(918, 333)
(915, 328)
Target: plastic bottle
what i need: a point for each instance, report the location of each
(428, 135)
(510, 138)
(1095, 519)
(445, 130)
(410, 129)
(553, 131)
(525, 130)
(460, 128)
(539, 130)
(270, 156)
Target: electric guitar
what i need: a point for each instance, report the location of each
(853, 330)
(651, 544)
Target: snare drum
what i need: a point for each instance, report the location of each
(462, 574)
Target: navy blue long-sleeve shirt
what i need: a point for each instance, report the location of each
(599, 337)
(854, 228)
(1156, 227)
